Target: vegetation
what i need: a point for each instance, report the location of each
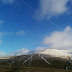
(34, 63)
(30, 69)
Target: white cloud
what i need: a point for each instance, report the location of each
(8, 1)
(2, 54)
(1, 34)
(1, 21)
(50, 8)
(59, 39)
(38, 49)
(0, 41)
(21, 32)
(10, 54)
(4, 33)
(23, 51)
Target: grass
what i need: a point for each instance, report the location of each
(30, 69)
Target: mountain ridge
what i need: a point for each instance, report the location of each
(41, 59)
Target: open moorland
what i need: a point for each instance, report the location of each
(30, 69)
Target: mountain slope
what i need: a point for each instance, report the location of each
(49, 58)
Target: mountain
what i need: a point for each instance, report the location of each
(57, 53)
(49, 58)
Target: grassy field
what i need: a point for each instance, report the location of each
(30, 69)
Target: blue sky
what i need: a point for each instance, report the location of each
(34, 25)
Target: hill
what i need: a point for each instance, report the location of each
(50, 59)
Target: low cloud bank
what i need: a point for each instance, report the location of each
(23, 51)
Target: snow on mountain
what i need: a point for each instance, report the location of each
(57, 53)
(44, 59)
(54, 53)
(51, 58)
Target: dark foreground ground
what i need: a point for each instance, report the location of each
(30, 69)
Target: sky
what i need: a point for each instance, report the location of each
(30, 26)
